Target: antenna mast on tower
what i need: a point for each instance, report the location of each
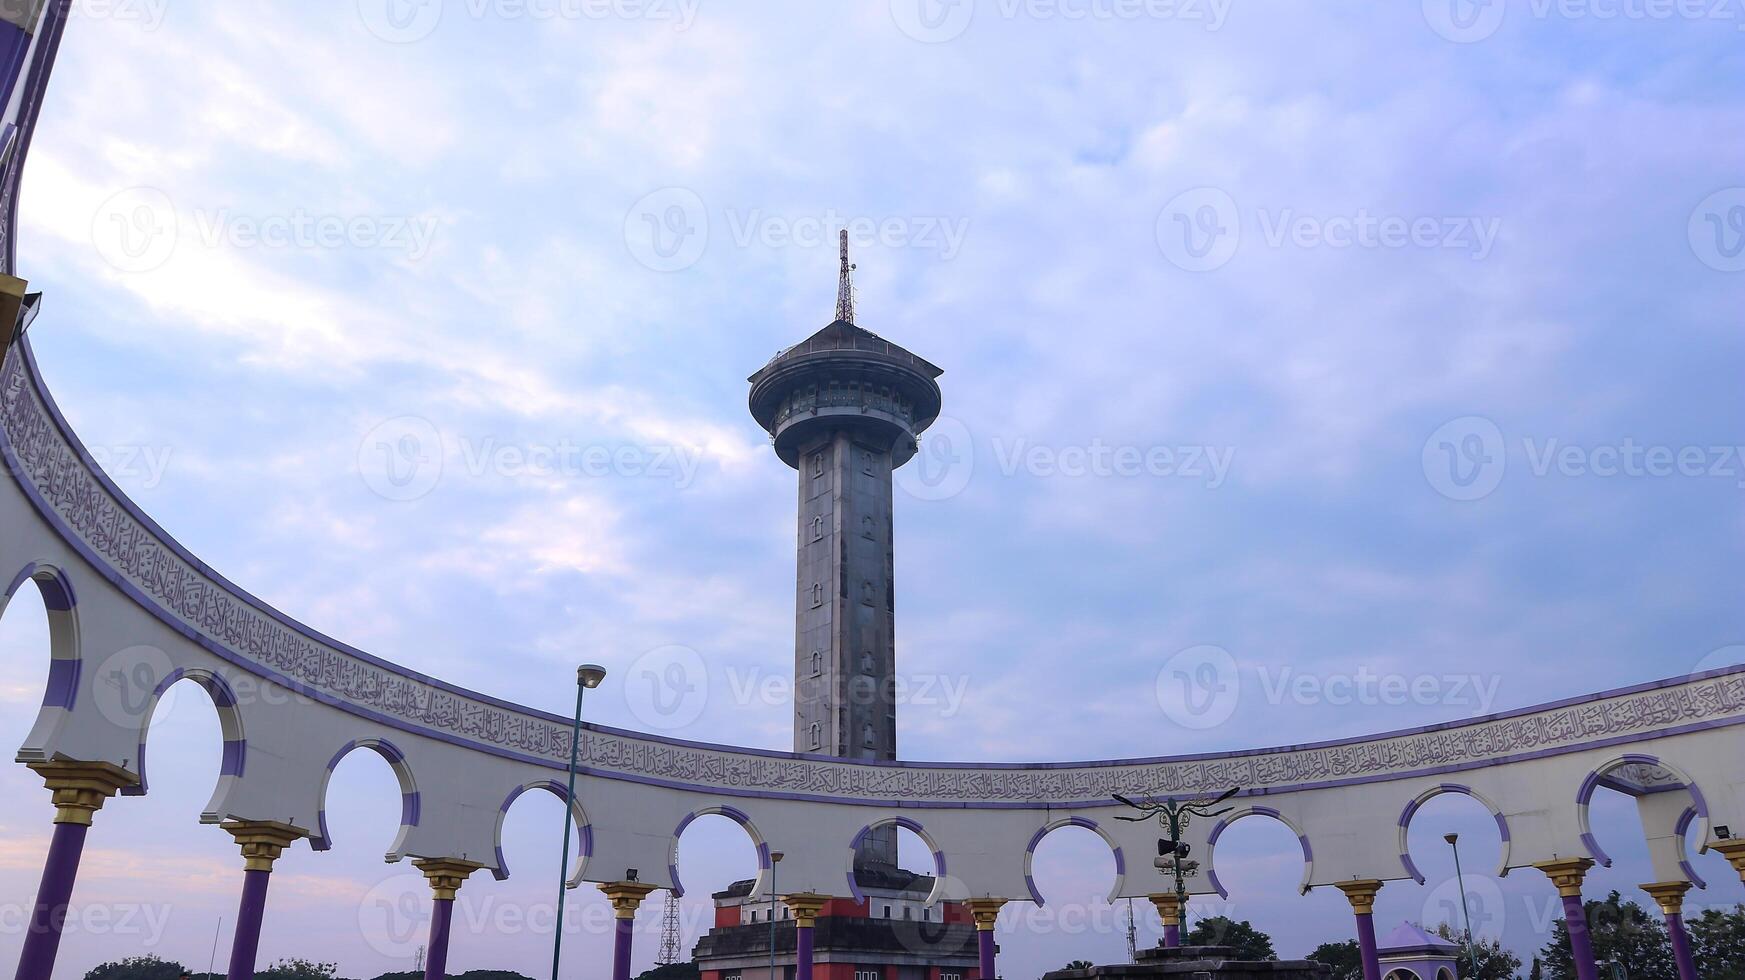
(669, 932)
(845, 285)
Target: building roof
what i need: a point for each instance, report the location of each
(1410, 939)
(840, 335)
(871, 877)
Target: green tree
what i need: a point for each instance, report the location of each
(137, 968)
(1494, 962)
(1538, 970)
(1217, 930)
(1717, 942)
(1621, 931)
(1345, 958)
(1078, 965)
(298, 969)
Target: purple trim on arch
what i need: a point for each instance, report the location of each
(1585, 792)
(409, 806)
(734, 814)
(1084, 822)
(122, 584)
(22, 577)
(907, 824)
(1685, 819)
(860, 838)
(1409, 812)
(854, 889)
(1593, 848)
(672, 871)
(763, 859)
(1120, 861)
(1265, 811)
(1217, 886)
(1700, 804)
(1455, 788)
(1411, 867)
(54, 587)
(63, 684)
(684, 822)
(939, 863)
(1036, 839)
(235, 757)
(1502, 826)
(1035, 893)
(1308, 852)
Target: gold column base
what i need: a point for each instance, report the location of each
(446, 875)
(805, 908)
(262, 841)
(81, 788)
(985, 911)
(1669, 895)
(1566, 874)
(625, 897)
(1169, 908)
(1734, 852)
(1360, 893)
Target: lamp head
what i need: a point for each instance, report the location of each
(1451, 838)
(590, 675)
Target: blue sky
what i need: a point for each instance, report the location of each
(1268, 331)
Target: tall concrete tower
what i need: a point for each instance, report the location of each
(844, 408)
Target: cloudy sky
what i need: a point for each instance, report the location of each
(1308, 344)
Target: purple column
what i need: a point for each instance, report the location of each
(985, 945)
(37, 960)
(436, 958)
(1366, 946)
(1687, 964)
(1581, 946)
(1172, 936)
(621, 948)
(247, 938)
(802, 952)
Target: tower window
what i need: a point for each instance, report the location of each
(871, 739)
(817, 662)
(817, 737)
(866, 527)
(817, 464)
(866, 592)
(817, 595)
(817, 529)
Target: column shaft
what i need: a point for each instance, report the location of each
(36, 961)
(802, 952)
(247, 938)
(1172, 936)
(624, 928)
(1366, 946)
(1581, 945)
(985, 946)
(436, 957)
(1681, 954)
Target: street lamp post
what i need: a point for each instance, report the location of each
(775, 858)
(587, 676)
(1465, 913)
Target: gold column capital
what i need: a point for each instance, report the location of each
(805, 908)
(446, 875)
(1566, 874)
(262, 841)
(1360, 893)
(625, 896)
(1734, 852)
(985, 911)
(81, 788)
(1169, 908)
(1669, 894)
